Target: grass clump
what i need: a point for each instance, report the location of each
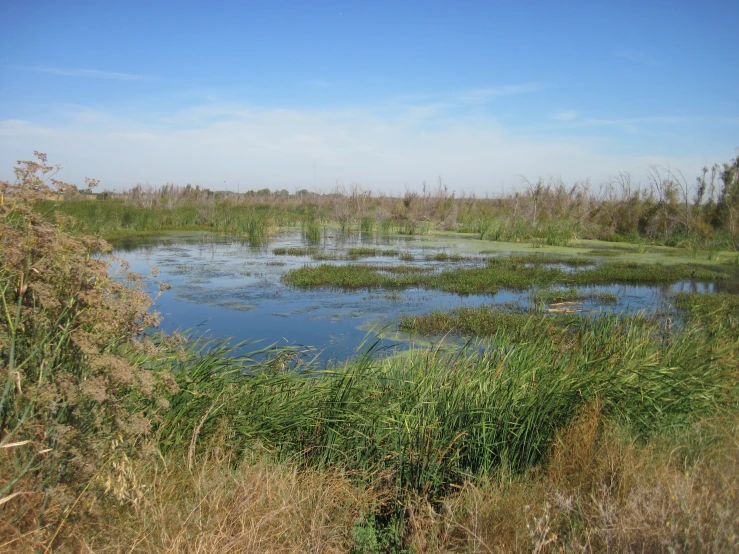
(500, 273)
(355, 276)
(446, 257)
(547, 259)
(366, 252)
(311, 231)
(571, 295)
(283, 251)
(367, 225)
(429, 421)
(716, 312)
(603, 491)
(487, 321)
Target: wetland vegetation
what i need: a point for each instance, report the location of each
(544, 431)
(495, 274)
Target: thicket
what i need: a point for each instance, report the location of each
(80, 391)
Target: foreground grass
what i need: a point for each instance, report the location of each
(600, 491)
(600, 434)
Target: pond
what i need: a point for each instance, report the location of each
(223, 287)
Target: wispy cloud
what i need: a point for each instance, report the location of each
(636, 57)
(87, 73)
(565, 115)
(635, 124)
(486, 94)
(316, 83)
(277, 148)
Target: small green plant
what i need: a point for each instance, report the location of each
(367, 225)
(483, 227)
(311, 231)
(345, 225)
(407, 227)
(387, 226)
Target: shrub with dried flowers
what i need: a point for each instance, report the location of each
(77, 394)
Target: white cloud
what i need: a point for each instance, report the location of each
(381, 148)
(636, 57)
(87, 73)
(565, 115)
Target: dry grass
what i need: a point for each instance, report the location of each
(255, 507)
(599, 492)
(603, 493)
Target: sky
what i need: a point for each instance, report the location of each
(477, 95)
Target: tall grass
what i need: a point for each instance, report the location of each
(367, 225)
(547, 213)
(116, 219)
(428, 420)
(311, 231)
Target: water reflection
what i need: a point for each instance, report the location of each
(227, 288)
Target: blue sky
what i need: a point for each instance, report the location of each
(383, 94)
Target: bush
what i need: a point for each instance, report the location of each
(77, 394)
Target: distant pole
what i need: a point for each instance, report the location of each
(314, 175)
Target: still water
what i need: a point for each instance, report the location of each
(224, 288)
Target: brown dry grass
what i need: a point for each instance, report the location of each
(255, 507)
(599, 492)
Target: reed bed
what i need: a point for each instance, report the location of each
(114, 219)
(311, 231)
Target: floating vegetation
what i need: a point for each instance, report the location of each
(366, 252)
(545, 259)
(606, 252)
(571, 295)
(485, 321)
(294, 251)
(446, 257)
(500, 273)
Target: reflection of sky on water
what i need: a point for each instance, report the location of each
(226, 288)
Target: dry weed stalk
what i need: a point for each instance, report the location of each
(68, 342)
